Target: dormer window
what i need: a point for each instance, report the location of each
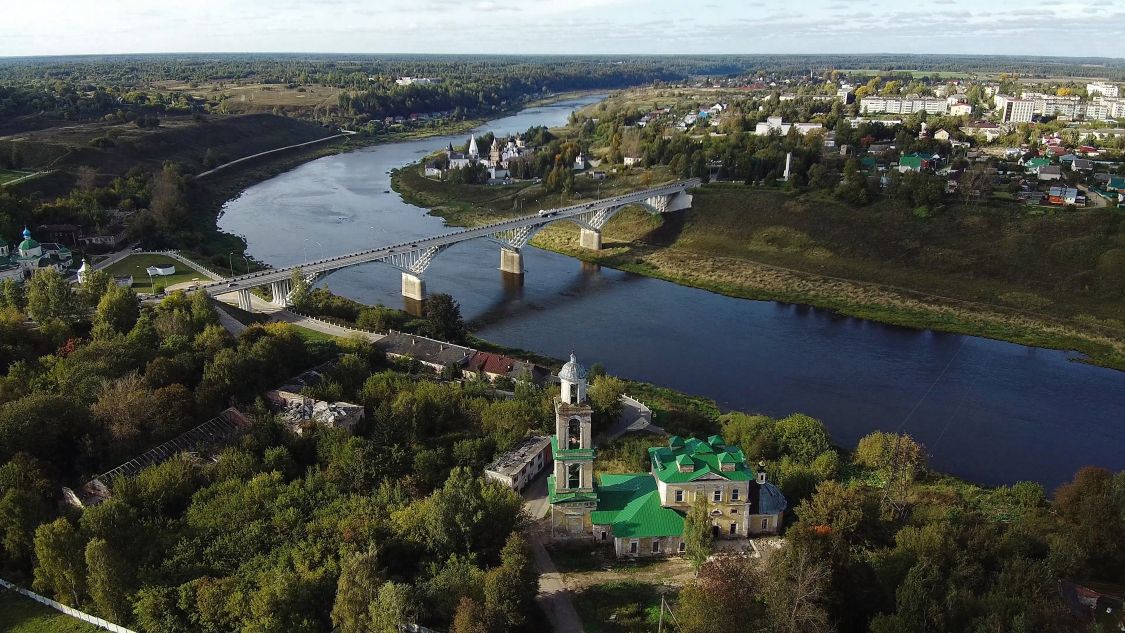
(727, 468)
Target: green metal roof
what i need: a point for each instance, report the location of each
(912, 160)
(1038, 161)
(705, 459)
(569, 453)
(1116, 183)
(631, 505)
(567, 497)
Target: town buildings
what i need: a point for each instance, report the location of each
(1014, 110)
(1102, 88)
(520, 464)
(902, 105)
(777, 124)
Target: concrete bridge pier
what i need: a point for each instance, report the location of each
(244, 301)
(413, 286)
(280, 291)
(590, 239)
(511, 261)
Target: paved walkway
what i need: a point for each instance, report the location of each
(278, 314)
(231, 324)
(554, 597)
(343, 134)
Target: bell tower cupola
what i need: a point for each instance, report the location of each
(572, 381)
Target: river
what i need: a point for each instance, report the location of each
(988, 411)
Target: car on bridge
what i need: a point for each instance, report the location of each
(546, 213)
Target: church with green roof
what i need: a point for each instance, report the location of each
(643, 513)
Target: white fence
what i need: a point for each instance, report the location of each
(368, 334)
(74, 613)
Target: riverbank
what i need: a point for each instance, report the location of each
(766, 244)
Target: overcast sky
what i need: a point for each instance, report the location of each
(1034, 27)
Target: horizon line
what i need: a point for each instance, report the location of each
(573, 55)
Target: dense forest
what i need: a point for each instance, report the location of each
(283, 533)
(333, 529)
(77, 87)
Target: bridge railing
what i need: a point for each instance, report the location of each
(576, 209)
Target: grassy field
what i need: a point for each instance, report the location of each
(135, 265)
(22, 615)
(620, 607)
(991, 271)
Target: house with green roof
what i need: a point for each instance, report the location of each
(1032, 166)
(915, 162)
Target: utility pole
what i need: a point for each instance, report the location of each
(660, 625)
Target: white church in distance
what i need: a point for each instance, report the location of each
(496, 162)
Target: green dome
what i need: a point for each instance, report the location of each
(28, 244)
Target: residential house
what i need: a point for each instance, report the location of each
(941, 135)
(494, 366)
(436, 355)
(915, 162)
(960, 109)
(1065, 195)
(631, 161)
(1082, 164)
(1033, 165)
(1050, 172)
(989, 131)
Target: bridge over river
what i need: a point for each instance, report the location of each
(413, 258)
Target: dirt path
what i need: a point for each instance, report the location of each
(554, 594)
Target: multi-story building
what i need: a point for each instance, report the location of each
(1014, 110)
(902, 105)
(1096, 112)
(777, 124)
(1102, 88)
(1115, 106)
(960, 109)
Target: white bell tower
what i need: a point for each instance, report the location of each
(571, 488)
(572, 380)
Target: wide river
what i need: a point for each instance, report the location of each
(988, 411)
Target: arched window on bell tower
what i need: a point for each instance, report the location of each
(574, 476)
(574, 433)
